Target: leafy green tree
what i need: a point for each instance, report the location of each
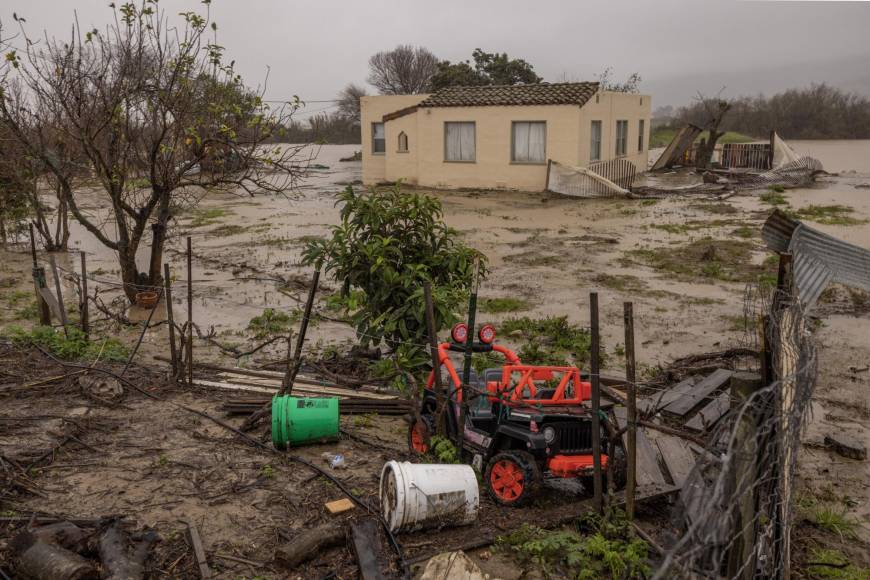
(387, 244)
(489, 69)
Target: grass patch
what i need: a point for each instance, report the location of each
(272, 323)
(718, 207)
(725, 260)
(773, 197)
(551, 340)
(828, 563)
(832, 215)
(501, 305)
(76, 346)
(832, 518)
(534, 258)
(693, 225)
(619, 282)
(743, 232)
(229, 230)
(208, 216)
(661, 136)
(606, 550)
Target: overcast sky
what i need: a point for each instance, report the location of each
(314, 48)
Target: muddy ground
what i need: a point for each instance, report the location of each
(684, 262)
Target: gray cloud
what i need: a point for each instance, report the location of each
(314, 48)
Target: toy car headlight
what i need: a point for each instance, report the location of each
(460, 333)
(549, 434)
(487, 334)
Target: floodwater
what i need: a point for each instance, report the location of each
(545, 249)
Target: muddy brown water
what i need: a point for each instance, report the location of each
(545, 249)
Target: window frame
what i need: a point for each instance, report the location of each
(593, 157)
(621, 151)
(474, 153)
(513, 158)
(374, 139)
(641, 130)
(407, 146)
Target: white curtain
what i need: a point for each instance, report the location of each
(521, 142)
(530, 142)
(459, 142)
(537, 142)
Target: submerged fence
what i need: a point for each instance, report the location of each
(735, 509)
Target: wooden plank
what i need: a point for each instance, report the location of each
(708, 416)
(674, 393)
(198, 550)
(366, 546)
(703, 389)
(678, 458)
(648, 470)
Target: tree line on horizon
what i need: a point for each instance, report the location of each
(819, 111)
(409, 70)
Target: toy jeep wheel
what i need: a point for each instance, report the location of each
(419, 434)
(513, 477)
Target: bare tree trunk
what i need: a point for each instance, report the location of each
(158, 241)
(61, 230)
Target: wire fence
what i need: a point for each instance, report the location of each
(735, 510)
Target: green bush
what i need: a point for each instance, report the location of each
(76, 346)
(387, 244)
(551, 340)
(606, 551)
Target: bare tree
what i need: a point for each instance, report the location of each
(159, 119)
(405, 70)
(631, 84)
(715, 110)
(348, 102)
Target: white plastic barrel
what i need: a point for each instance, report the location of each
(418, 495)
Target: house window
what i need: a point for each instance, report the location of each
(621, 138)
(529, 142)
(379, 141)
(640, 129)
(459, 142)
(595, 149)
(403, 142)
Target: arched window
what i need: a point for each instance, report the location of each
(403, 142)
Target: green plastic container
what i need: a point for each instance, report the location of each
(298, 420)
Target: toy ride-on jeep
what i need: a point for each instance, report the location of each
(523, 422)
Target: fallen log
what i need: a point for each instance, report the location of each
(308, 543)
(119, 561)
(45, 561)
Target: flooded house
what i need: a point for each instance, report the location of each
(500, 137)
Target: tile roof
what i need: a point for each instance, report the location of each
(495, 95)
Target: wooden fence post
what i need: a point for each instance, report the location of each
(744, 476)
(83, 307)
(39, 284)
(433, 351)
(303, 330)
(466, 367)
(594, 355)
(167, 285)
(630, 377)
(189, 312)
(61, 309)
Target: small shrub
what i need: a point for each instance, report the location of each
(607, 551)
(267, 471)
(272, 323)
(443, 449)
(772, 197)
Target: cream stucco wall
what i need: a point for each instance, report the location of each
(372, 110)
(568, 140)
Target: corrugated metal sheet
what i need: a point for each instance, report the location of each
(818, 259)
